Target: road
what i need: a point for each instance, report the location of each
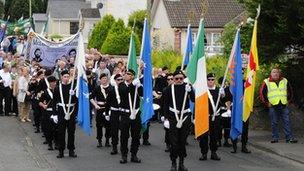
(22, 149)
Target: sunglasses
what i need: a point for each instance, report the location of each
(210, 79)
(169, 79)
(119, 79)
(179, 78)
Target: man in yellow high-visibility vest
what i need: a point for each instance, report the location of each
(275, 93)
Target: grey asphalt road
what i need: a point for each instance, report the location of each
(22, 149)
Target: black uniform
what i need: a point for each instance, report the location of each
(34, 89)
(177, 136)
(214, 128)
(112, 107)
(100, 115)
(64, 124)
(126, 124)
(42, 86)
(225, 120)
(49, 125)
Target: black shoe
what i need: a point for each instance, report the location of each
(72, 154)
(45, 142)
(147, 143)
(56, 148)
(292, 141)
(245, 150)
(99, 144)
(123, 159)
(42, 135)
(203, 157)
(135, 159)
(107, 144)
(234, 145)
(214, 156)
(114, 150)
(181, 166)
(173, 166)
(50, 148)
(274, 141)
(37, 131)
(227, 144)
(61, 154)
(187, 143)
(167, 149)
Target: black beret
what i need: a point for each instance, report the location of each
(117, 76)
(51, 79)
(131, 71)
(164, 68)
(210, 75)
(64, 72)
(177, 72)
(39, 73)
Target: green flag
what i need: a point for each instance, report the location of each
(132, 62)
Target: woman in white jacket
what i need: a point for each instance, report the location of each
(23, 93)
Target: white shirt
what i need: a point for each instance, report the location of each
(6, 77)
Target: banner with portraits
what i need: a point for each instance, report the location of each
(47, 52)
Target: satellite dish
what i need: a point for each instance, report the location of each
(99, 5)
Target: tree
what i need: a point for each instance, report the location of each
(2, 9)
(117, 41)
(100, 32)
(139, 17)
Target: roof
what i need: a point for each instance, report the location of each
(90, 13)
(219, 12)
(39, 16)
(66, 8)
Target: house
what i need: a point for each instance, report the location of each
(64, 16)
(40, 20)
(88, 18)
(170, 18)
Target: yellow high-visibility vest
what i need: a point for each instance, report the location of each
(277, 93)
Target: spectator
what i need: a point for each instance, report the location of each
(24, 95)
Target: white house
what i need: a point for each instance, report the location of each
(170, 18)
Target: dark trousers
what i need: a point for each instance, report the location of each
(244, 137)
(126, 126)
(101, 123)
(37, 113)
(167, 138)
(214, 127)
(69, 126)
(49, 128)
(14, 107)
(114, 122)
(225, 125)
(178, 138)
(6, 95)
(146, 134)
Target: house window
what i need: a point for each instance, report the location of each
(215, 39)
(74, 26)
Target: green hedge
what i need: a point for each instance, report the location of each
(168, 58)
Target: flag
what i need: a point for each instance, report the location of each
(253, 66)
(83, 116)
(145, 55)
(132, 62)
(196, 72)
(236, 88)
(188, 49)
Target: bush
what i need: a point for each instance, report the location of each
(56, 36)
(168, 58)
(217, 65)
(118, 40)
(100, 32)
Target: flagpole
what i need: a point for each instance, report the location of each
(30, 8)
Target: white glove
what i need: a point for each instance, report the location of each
(94, 70)
(132, 117)
(107, 117)
(227, 113)
(72, 92)
(55, 118)
(222, 92)
(188, 88)
(136, 82)
(166, 124)
(162, 119)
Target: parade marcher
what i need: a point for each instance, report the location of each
(170, 81)
(5, 89)
(275, 93)
(113, 102)
(130, 116)
(65, 114)
(46, 103)
(178, 117)
(98, 99)
(211, 137)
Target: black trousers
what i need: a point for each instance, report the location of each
(126, 126)
(101, 123)
(167, 138)
(63, 127)
(244, 137)
(14, 107)
(178, 138)
(114, 123)
(49, 127)
(6, 95)
(214, 128)
(37, 113)
(225, 125)
(146, 133)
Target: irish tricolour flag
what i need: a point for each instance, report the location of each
(196, 72)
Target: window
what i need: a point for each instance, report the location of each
(74, 26)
